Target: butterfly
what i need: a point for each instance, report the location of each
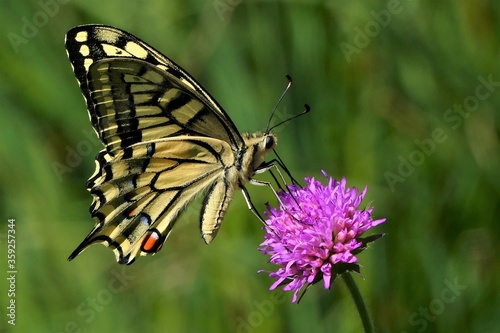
(166, 140)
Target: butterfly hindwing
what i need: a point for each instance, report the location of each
(139, 189)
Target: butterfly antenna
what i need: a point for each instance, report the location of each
(289, 78)
(307, 108)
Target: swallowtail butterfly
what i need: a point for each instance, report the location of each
(166, 140)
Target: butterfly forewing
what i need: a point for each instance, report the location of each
(135, 101)
(90, 44)
(166, 140)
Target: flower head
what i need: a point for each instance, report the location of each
(316, 233)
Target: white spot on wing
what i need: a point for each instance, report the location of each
(136, 50)
(112, 51)
(81, 36)
(84, 50)
(87, 62)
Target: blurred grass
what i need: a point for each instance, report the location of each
(442, 218)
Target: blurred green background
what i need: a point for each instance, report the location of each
(404, 97)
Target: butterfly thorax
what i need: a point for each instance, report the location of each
(251, 157)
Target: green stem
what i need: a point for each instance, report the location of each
(360, 303)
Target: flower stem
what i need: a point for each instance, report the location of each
(360, 303)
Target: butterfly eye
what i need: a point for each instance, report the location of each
(269, 142)
(152, 242)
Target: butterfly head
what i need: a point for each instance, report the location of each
(258, 145)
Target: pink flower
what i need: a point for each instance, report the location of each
(316, 233)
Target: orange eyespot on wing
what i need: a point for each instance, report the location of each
(153, 241)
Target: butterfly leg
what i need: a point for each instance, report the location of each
(267, 166)
(274, 164)
(250, 204)
(264, 168)
(280, 162)
(257, 182)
